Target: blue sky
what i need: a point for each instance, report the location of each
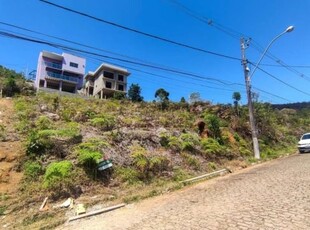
(216, 78)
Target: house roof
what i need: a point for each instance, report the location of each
(105, 66)
(52, 55)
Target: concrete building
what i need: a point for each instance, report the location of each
(63, 72)
(105, 81)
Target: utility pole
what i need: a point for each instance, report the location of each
(246, 70)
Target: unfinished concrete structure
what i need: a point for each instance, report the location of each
(105, 81)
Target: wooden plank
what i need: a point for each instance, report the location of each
(205, 176)
(97, 212)
(43, 204)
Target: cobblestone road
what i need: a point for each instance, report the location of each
(274, 195)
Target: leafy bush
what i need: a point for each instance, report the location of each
(93, 144)
(139, 156)
(175, 143)
(179, 174)
(43, 122)
(212, 147)
(57, 174)
(189, 141)
(147, 164)
(2, 133)
(37, 144)
(104, 122)
(191, 160)
(69, 131)
(32, 170)
(89, 158)
(213, 124)
(129, 175)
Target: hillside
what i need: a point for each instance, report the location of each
(152, 148)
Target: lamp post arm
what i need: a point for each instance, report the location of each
(265, 51)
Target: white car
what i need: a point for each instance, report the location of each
(304, 143)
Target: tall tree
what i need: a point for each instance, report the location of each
(194, 97)
(182, 100)
(134, 93)
(162, 95)
(237, 97)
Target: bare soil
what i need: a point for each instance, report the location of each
(10, 150)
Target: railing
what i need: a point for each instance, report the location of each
(53, 65)
(62, 77)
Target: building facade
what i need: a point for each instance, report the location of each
(62, 73)
(105, 81)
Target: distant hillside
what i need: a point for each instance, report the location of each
(296, 106)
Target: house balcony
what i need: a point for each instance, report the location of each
(61, 77)
(53, 65)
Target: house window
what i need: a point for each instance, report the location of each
(121, 77)
(121, 87)
(108, 75)
(108, 85)
(75, 65)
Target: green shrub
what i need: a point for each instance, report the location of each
(146, 164)
(104, 122)
(237, 137)
(179, 174)
(2, 133)
(191, 160)
(37, 144)
(158, 164)
(67, 114)
(2, 210)
(189, 141)
(213, 124)
(93, 144)
(89, 158)
(69, 131)
(32, 170)
(139, 156)
(43, 122)
(244, 151)
(175, 143)
(57, 174)
(129, 175)
(212, 165)
(268, 153)
(212, 147)
(164, 139)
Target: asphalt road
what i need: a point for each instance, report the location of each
(274, 195)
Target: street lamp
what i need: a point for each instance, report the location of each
(248, 76)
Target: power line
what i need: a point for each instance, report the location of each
(236, 35)
(208, 21)
(140, 32)
(283, 82)
(195, 76)
(257, 89)
(110, 57)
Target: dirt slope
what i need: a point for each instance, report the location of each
(10, 150)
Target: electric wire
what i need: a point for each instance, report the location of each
(235, 34)
(5, 34)
(140, 32)
(283, 82)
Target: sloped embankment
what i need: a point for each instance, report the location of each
(10, 150)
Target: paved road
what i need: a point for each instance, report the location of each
(274, 195)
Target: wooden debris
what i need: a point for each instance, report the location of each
(97, 212)
(43, 204)
(80, 209)
(216, 173)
